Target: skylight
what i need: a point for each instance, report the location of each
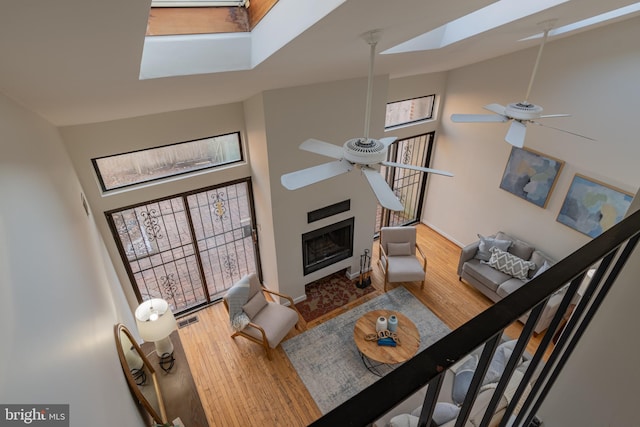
(196, 3)
(495, 15)
(182, 55)
(590, 21)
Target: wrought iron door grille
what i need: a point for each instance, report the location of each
(408, 185)
(190, 248)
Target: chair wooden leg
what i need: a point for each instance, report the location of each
(268, 350)
(422, 285)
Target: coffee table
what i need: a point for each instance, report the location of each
(374, 355)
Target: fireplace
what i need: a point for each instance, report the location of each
(327, 245)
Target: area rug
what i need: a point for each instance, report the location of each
(331, 292)
(327, 359)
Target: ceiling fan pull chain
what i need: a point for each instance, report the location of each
(535, 67)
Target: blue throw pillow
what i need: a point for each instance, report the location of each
(486, 243)
(462, 379)
(544, 267)
(461, 384)
(499, 362)
(445, 412)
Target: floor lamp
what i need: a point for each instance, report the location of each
(155, 323)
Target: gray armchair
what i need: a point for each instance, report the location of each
(256, 319)
(401, 259)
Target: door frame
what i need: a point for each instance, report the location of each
(184, 195)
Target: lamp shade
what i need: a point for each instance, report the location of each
(161, 327)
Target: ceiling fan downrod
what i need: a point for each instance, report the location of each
(372, 37)
(535, 66)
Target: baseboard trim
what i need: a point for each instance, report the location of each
(443, 234)
(299, 299)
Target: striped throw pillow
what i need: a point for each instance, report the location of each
(510, 264)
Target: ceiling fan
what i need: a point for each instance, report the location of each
(357, 153)
(520, 113)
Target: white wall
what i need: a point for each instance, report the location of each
(592, 76)
(600, 385)
(59, 296)
(259, 153)
(278, 119)
(84, 142)
(414, 86)
(421, 85)
(332, 112)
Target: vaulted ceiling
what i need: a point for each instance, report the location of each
(78, 61)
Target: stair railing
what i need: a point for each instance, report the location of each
(609, 252)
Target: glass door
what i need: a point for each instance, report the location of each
(225, 235)
(408, 185)
(190, 248)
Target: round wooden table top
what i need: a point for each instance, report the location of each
(407, 334)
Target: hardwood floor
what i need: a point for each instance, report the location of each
(239, 386)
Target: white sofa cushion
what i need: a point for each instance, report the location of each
(485, 274)
(405, 269)
(442, 413)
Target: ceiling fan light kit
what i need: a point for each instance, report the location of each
(522, 111)
(365, 151)
(362, 153)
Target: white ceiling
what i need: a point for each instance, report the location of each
(78, 61)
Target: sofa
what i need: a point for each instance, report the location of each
(499, 264)
(454, 387)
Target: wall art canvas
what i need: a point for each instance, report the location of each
(531, 175)
(592, 207)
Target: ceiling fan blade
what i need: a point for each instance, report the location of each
(417, 168)
(562, 130)
(478, 118)
(496, 108)
(385, 196)
(388, 140)
(548, 116)
(323, 148)
(308, 176)
(516, 133)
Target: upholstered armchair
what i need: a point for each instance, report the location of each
(401, 259)
(256, 319)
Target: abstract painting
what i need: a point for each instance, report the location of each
(531, 175)
(592, 207)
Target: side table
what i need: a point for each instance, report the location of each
(374, 355)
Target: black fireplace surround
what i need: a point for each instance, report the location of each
(327, 245)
